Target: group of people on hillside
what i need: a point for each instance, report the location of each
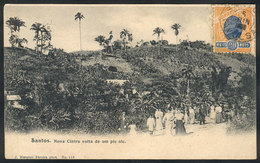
(168, 121)
(177, 119)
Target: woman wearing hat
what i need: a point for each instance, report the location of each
(218, 114)
(180, 129)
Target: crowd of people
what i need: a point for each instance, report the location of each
(177, 119)
(174, 121)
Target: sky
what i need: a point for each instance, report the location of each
(140, 20)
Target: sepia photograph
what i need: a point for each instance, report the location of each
(129, 81)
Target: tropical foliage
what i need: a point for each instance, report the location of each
(15, 24)
(126, 37)
(42, 36)
(176, 27)
(71, 91)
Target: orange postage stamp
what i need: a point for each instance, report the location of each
(234, 28)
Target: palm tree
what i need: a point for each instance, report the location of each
(45, 37)
(42, 35)
(37, 28)
(176, 27)
(123, 35)
(14, 23)
(158, 31)
(110, 40)
(79, 16)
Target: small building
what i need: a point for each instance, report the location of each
(13, 100)
(116, 81)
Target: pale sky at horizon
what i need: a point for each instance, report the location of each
(140, 20)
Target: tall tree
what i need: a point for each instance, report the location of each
(108, 43)
(188, 73)
(45, 37)
(79, 17)
(126, 36)
(158, 31)
(14, 23)
(37, 28)
(42, 36)
(110, 40)
(176, 27)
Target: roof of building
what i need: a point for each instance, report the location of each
(116, 81)
(13, 97)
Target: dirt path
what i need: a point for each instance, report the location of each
(207, 141)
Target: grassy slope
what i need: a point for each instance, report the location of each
(168, 61)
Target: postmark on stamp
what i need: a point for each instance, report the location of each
(234, 28)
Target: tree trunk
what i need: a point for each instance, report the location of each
(80, 34)
(158, 40)
(37, 42)
(36, 48)
(176, 42)
(41, 42)
(188, 90)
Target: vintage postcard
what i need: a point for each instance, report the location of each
(129, 81)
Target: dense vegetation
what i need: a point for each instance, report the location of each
(60, 94)
(69, 91)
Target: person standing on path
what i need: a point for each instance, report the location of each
(180, 128)
(168, 121)
(186, 118)
(150, 124)
(132, 127)
(218, 114)
(159, 116)
(212, 113)
(192, 116)
(196, 110)
(202, 114)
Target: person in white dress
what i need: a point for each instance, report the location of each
(168, 121)
(212, 112)
(192, 116)
(150, 124)
(132, 129)
(186, 118)
(159, 116)
(218, 114)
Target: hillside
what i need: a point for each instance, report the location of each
(144, 59)
(64, 90)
